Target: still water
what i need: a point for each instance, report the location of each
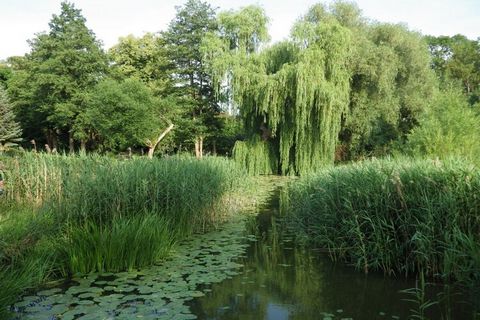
(280, 281)
(244, 270)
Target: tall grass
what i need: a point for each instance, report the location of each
(27, 257)
(399, 216)
(124, 245)
(66, 214)
(95, 188)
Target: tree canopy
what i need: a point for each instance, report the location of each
(457, 58)
(10, 131)
(338, 80)
(54, 77)
(341, 87)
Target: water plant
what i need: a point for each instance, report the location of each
(97, 213)
(125, 244)
(399, 216)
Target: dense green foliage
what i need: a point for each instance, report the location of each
(124, 114)
(10, 131)
(145, 59)
(68, 214)
(124, 244)
(448, 128)
(341, 84)
(341, 88)
(256, 156)
(457, 58)
(183, 40)
(399, 216)
(50, 83)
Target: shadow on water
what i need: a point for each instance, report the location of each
(280, 281)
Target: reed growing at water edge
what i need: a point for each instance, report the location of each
(399, 216)
(66, 214)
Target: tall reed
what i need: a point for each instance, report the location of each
(399, 216)
(126, 244)
(66, 214)
(96, 188)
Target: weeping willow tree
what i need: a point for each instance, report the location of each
(341, 86)
(291, 96)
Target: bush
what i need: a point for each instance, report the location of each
(449, 128)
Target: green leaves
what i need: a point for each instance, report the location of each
(124, 114)
(61, 67)
(10, 131)
(157, 292)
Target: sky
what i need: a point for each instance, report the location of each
(20, 20)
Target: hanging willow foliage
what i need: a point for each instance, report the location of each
(256, 156)
(293, 95)
(324, 87)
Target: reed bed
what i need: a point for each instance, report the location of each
(66, 214)
(399, 216)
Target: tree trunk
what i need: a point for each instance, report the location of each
(197, 148)
(151, 147)
(83, 146)
(70, 142)
(34, 145)
(214, 147)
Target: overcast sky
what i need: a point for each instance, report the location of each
(111, 19)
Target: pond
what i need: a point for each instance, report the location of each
(248, 269)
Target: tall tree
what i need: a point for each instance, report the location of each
(62, 66)
(290, 95)
(183, 39)
(145, 59)
(10, 131)
(338, 76)
(457, 58)
(391, 84)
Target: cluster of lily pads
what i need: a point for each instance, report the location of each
(158, 292)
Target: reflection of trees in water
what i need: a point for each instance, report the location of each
(280, 282)
(274, 280)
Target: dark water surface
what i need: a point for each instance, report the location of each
(244, 270)
(280, 282)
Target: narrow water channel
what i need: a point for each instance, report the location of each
(245, 270)
(279, 281)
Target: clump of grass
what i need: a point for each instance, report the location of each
(399, 216)
(29, 272)
(126, 244)
(27, 254)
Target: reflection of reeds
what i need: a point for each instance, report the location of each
(417, 296)
(393, 215)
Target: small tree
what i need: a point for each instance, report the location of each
(10, 130)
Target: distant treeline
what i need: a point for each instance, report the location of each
(340, 88)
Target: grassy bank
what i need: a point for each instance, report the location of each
(67, 214)
(399, 216)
